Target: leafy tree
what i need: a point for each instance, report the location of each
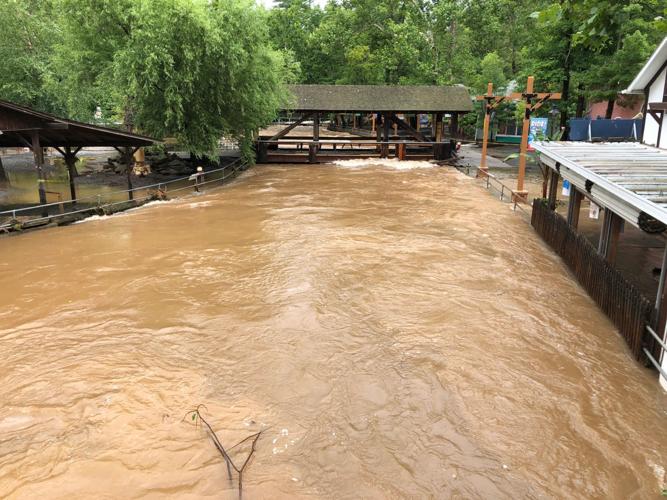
(26, 43)
(186, 68)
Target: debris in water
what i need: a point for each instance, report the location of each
(197, 417)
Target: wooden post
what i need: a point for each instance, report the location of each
(454, 125)
(524, 136)
(553, 190)
(605, 230)
(385, 146)
(378, 132)
(615, 228)
(313, 148)
(38, 154)
(372, 123)
(438, 127)
(574, 207)
(128, 163)
(487, 122)
(419, 125)
(354, 121)
(3, 174)
(70, 161)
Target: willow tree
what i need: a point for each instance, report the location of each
(191, 69)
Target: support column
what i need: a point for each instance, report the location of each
(438, 127)
(385, 146)
(612, 225)
(615, 229)
(313, 148)
(487, 122)
(38, 154)
(70, 161)
(3, 174)
(454, 125)
(574, 207)
(660, 315)
(524, 137)
(553, 189)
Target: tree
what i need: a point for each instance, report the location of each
(27, 36)
(192, 69)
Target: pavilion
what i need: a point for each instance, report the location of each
(24, 127)
(385, 103)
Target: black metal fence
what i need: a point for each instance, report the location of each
(627, 308)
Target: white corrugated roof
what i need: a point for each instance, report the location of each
(627, 177)
(642, 79)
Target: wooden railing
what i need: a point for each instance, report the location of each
(627, 308)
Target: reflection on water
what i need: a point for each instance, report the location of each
(21, 187)
(399, 333)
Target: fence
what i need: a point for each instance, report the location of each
(627, 308)
(68, 211)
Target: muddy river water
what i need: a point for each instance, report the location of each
(398, 333)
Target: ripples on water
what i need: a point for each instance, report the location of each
(399, 333)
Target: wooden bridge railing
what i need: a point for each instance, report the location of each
(627, 308)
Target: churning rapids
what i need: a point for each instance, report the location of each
(399, 333)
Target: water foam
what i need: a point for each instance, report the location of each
(391, 163)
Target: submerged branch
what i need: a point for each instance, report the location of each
(196, 416)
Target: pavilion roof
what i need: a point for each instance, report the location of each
(17, 123)
(380, 98)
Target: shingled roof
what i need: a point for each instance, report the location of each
(16, 123)
(380, 98)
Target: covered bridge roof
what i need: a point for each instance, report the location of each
(380, 98)
(627, 177)
(18, 122)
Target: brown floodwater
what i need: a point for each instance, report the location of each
(397, 333)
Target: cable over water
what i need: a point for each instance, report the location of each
(397, 332)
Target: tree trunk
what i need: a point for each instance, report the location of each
(610, 109)
(581, 102)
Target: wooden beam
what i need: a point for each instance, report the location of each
(574, 207)
(438, 127)
(403, 125)
(553, 190)
(70, 161)
(290, 127)
(454, 125)
(38, 154)
(487, 122)
(385, 126)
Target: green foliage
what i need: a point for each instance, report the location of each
(191, 69)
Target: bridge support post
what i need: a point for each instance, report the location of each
(610, 233)
(553, 189)
(385, 127)
(313, 148)
(574, 207)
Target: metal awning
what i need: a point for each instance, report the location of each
(628, 178)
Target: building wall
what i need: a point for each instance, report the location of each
(651, 126)
(600, 109)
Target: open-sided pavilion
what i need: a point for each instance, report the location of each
(389, 105)
(25, 127)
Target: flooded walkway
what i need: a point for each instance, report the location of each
(399, 333)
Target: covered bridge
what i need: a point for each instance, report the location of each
(25, 127)
(385, 105)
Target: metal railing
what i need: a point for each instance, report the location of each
(505, 192)
(41, 214)
(662, 347)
